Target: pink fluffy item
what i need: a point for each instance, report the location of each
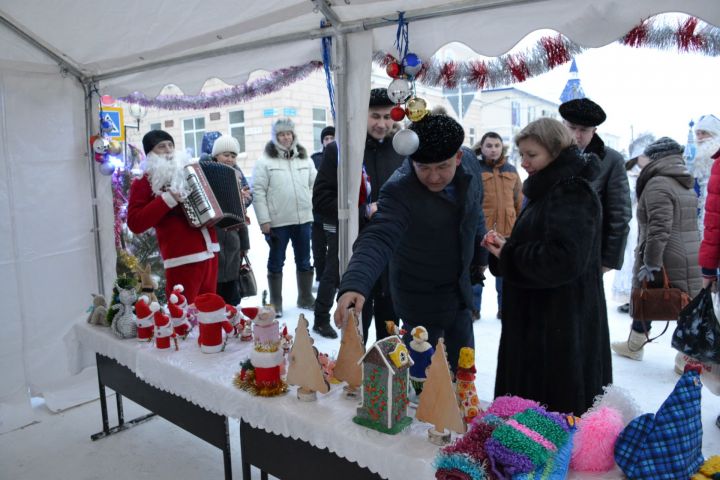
(594, 442)
(507, 406)
(618, 399)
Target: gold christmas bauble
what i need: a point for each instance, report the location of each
(416, 109)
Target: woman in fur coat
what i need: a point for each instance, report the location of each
(554, 346)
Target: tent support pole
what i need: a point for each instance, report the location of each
(341, 95)
(88, 88)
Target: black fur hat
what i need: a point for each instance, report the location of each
(379, 98)
(582, 111)
(662, 147)
(440, 138)
(153, 137)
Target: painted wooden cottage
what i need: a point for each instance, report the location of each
(385, 385)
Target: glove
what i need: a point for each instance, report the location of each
(647, 273)
(477, 274)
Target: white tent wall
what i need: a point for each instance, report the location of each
(47, 255)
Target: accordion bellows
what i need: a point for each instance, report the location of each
(215, 196)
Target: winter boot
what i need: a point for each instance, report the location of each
(304, 284)
(322, 326)
(275, 285)
(633, 347)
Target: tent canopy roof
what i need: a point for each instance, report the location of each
(115, 42)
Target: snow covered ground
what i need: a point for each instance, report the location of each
(58, 446)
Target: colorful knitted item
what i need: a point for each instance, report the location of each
(594, 442)
(710, 470)
(556, 468)
(466, 456)
(526, 441)
(507, 406)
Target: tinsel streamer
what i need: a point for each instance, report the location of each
(402, 36)
(551, 52)
(326, 54)
(119, 201)
(687, 39)
(237, 94)
(555, 50)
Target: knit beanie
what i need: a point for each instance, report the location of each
(329, 130)
(153, 137)
(225, 143)
(662, 147)
(440, 138)
(710, 124)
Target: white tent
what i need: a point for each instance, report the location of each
(56, 215)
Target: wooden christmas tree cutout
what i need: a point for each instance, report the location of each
(305, 370)
(438, 403)
(347, 367)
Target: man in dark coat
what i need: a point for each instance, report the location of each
(379, 163)
(581, 117)
(319, 243)
(428, 227)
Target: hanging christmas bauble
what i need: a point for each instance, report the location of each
(107, 168)
(411, 64)
(114, 147)
(107, 100)
(416, 109)
(100, 145)
(405, 142)
(393, 70)
(397, 113)
(399, 90)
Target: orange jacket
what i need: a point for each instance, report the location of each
(502, 195)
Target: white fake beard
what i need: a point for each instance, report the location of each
(707, 148)
(165, 173)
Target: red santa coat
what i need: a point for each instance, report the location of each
(179, 243)
(211, 328)
(709, 255)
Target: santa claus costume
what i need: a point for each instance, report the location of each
(180, 323)
(212, 321)
(144, 319)
(189, 254)
(163, 327)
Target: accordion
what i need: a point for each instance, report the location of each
(215, 197)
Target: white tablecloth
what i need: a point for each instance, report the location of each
(207, 380)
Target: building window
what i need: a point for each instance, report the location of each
(471, 136)
(237, 127)
(155, 126)
(531, 114)
(193, 131)
(515, 108)
(319, 122)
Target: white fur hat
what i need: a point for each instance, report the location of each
(709, 123)
(225, 143)
(283, 125)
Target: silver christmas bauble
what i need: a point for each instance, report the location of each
(399, 90)
(100, 145)
(107, 168)
(405, 142)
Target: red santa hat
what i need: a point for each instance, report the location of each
(158, 315)
(180, 298)
(209, 303)
(142, 309)
(250, 312)
(175, 311)
(231, 311)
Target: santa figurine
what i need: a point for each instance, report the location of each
(249, 314)
(180, 323)
(420, 352)
(144, 319)
(235, 318)
(212, 321)
(163, 328)
(178, 292)
(267, 356)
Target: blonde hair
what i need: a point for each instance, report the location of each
(549, 133)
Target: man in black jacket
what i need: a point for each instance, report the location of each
(427, 227)
(319, 243)
(379, 162)
(581, 117)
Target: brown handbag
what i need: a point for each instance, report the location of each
(660, 303)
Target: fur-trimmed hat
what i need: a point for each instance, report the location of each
(710, 124)
(153, 137)
(225, 143)
(582, 111)
(329, 130)
(662, 147)
(283, 125)
(379, 98)
(440, 138)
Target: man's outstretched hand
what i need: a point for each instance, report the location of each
(347, 300)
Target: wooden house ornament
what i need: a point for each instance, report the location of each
(385, 385)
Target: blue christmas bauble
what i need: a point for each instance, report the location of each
(411, 64)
